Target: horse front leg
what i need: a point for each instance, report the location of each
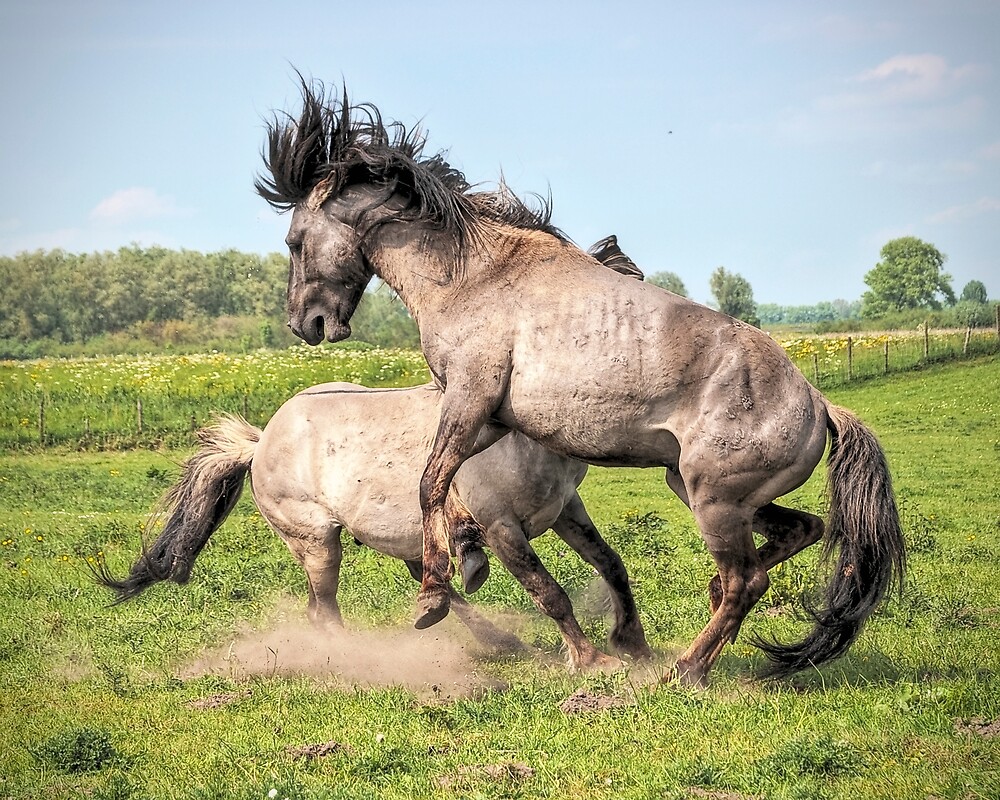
(461, 419)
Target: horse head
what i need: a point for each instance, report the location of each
(327, 270)
(345, 174)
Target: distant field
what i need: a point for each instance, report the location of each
(119, 402)
(183, 693)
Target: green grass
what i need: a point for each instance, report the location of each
(99, 687)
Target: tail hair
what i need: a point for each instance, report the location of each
(210, 485)
(864, 548)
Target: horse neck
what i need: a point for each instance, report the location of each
(419, 264)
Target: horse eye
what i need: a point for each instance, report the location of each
(295, 248)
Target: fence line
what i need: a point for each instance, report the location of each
(124, 418)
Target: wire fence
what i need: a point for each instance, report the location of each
(152, 401)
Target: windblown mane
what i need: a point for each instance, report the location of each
(332, 145)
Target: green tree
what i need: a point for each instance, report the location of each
(975, 292)
(670, 281)
(382, 319)
(908, 276)
(733, 295)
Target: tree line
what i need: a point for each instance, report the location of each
(908, 286)
(161, 297)
(153, 297)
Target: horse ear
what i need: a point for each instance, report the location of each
(321, 192)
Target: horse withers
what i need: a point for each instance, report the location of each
(520, 326)
(342, 457)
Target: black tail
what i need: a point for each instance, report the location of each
(864, 530)
(210, 485)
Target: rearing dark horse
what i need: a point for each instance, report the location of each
(520, 326)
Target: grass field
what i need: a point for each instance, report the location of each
(187, 692)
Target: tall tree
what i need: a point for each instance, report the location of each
(733, 295)
(670, 281)
(908, 276)
(975, 292)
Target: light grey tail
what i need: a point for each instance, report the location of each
(210, 485)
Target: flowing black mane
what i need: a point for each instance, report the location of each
(336, 144)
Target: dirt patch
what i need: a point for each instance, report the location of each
(713, 794)
(465, 777)
(313, 751)
(978, 727)
(582, 701)
(437, 663)
(217, 700)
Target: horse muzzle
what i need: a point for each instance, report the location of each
(314, 329)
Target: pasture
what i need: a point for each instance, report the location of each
(216, 690)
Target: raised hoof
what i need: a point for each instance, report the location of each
(475, 569)
(431, 609)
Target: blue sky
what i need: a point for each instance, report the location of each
(787, 141)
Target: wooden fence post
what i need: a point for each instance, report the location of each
(850, 359)
(816, 370)
(927, 343)
(885, 356)
(968, 336)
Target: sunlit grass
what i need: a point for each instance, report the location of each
(886, 721)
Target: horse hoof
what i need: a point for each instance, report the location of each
(689, 677)
(475, 569)
(431, 609)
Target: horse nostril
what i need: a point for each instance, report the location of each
(319, 328)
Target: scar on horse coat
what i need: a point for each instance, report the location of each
(520, 326)
(342, 457)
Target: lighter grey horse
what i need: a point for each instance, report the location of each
(520, 326)
(339, 456)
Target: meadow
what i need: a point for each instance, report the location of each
(121, 402)
(216, 690)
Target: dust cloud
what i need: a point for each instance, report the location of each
(441, 662)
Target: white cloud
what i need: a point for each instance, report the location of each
(991, 151)
(914, 78)
(984, 205)
(127, 205)
(904, 95)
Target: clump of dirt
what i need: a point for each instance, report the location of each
(582, 701)
(217, 700)
(314, 751)
(511, 772)
(434, 663)
(978, 727)
(711, 794)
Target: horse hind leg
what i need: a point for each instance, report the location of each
(575, 527)
(320, 557)
(512, 548)
(787, 531)
(726, 530)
